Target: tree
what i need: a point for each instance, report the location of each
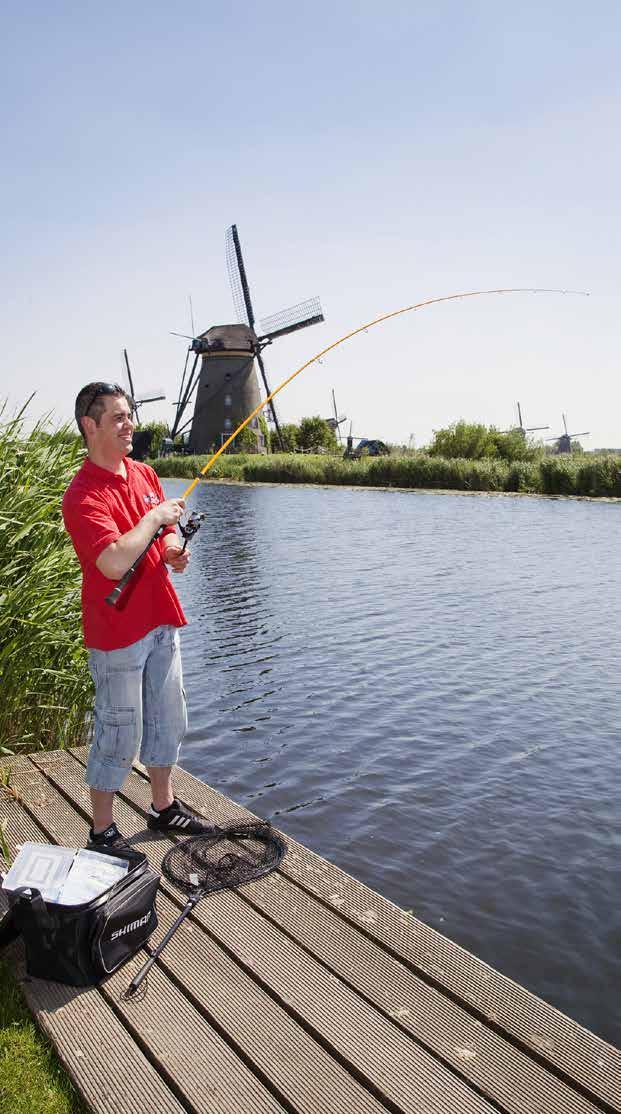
(473, 441)
(315, 434)
(289, 433)
(466, 440)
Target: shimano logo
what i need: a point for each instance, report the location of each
(132, 926)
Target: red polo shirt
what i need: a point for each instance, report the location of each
(98, 508)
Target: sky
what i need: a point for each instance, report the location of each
(373, 155)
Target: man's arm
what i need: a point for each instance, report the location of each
(119, 556)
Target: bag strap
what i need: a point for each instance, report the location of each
(9, 927)
(27, 897)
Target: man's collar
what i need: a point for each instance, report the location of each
(96, 469)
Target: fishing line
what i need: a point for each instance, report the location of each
(112, 599)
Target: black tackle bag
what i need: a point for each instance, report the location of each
(81, 944)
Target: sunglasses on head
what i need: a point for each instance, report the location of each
(98, 390)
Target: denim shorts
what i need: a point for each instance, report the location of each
(139, 707)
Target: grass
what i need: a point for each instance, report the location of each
(46, 688)
(32, 1080)
(579, 474)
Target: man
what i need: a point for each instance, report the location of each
(112, 508)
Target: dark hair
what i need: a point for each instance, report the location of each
(90, 401)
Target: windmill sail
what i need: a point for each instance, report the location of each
(290, 320)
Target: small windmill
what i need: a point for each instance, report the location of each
(141, 438)
(563, 441)
(226, 384)
(337, 420)
(521, 428)
(134, 402)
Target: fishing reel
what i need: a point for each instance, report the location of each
(189, 528)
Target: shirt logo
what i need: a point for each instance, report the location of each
(151, 499)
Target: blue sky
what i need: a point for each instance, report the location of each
(374, 155)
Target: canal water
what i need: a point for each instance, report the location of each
(424, 688)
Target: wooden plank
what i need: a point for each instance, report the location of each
(366, 1042)
(283, 1052)
(106, 1066)
(502, 1072)
(203, 1068)
(556, 1039)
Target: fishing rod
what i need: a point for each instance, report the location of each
(194, 521)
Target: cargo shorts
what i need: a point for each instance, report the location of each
(140, 707)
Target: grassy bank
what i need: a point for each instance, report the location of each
(595, 476)
(31, 1078)
(44, 680)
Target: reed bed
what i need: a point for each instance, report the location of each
(44, 679)
(580, 474)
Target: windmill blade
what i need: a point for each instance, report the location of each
(536, 428)
(290, 320)
(271, 402)
(565, 424)
(520, 416)
(185, 398)
(133, 403)
(150, 398)
(334, 406)
(237, 278)
(585, 434)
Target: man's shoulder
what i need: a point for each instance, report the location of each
(142, 474)
(85, 487)
(76, 487)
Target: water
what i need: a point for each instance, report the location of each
(424, 689)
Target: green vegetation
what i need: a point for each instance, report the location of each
(568, 474)
(31, 1078)
(472, 441)
(46, 689)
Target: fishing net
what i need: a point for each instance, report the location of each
(219, 859)
(224, 858)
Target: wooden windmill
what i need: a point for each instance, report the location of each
(225, 386)
(521, 428)
(563, 441)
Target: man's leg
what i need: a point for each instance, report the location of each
(101, 805)
(117, 728)
(165, 724)
(161, 786)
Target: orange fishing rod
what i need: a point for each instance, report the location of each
(194, 522)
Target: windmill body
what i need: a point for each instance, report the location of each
(228, 387)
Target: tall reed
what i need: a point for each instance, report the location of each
(44, 680)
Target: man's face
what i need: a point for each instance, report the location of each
(113, 435)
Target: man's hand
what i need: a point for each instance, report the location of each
(176, 556)
(169, 512)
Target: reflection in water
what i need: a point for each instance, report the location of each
(424, 689)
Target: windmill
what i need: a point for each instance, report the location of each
(521, 428)
(226, 384)
(563, 441)
(141, 438)
(337, 420)
(136, 403)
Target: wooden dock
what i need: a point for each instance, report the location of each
(302, 992)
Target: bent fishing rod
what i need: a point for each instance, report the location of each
(194, 520)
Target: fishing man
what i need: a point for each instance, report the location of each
(111, 509)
